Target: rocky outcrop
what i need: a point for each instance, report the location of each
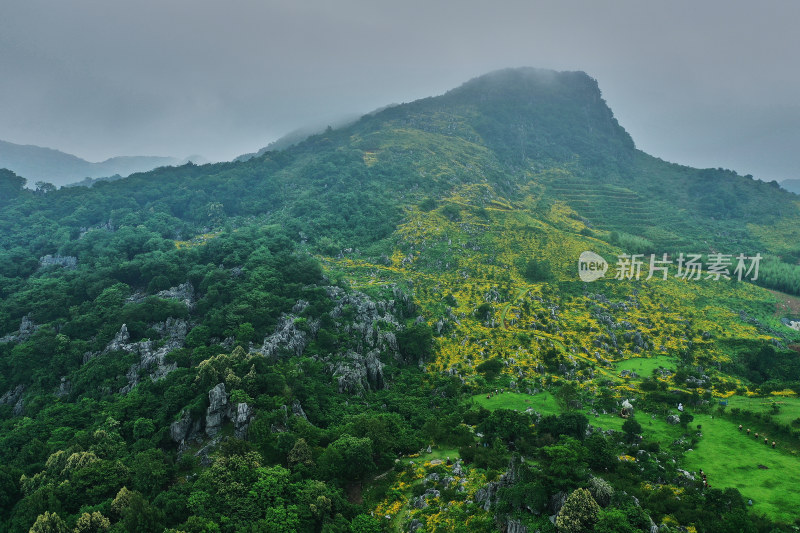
(64, 387)
(151, 356)
(556, 502)
(367, 326)
(241, 419)
(151, 353)
(794, 324)
(183, 293)
(356, 373)
(288, 338)
(68, 262)
(218, 409)
(185, 428)
(420, 502)
(487, 495)
(26, 329)
(105, 226)
(297, 410)
(515, 526)
(14, 397)
(120, 341)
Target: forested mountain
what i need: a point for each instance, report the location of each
(383, 328)
(58, 168)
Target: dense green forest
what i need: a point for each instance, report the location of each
(382, 329)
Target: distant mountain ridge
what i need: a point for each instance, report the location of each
(36, 163)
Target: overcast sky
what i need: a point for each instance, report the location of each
(705, 83)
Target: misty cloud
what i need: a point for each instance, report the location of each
(708, 84)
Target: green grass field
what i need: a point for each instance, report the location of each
(731, 459)
(544, 402)
(654, 430)
(789, 408)
(644, 366)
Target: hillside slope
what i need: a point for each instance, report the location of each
(279, 340)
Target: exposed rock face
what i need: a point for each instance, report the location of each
(184, 428)
(241, 419)
(288, 336)
(67, 261)
(26, 329)
(367, 324)
(19, 407)
(693, 382)
(487, 495)
(557, 502)
(151, 355)
(106, 226)
(183, 293)
(152, 358)
(120, 340)
(217, 409)
(64, 387)
(515, 526)
(297, 410)
(14, 397)
(794, 324)
(356, 373)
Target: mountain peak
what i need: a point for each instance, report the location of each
(530, 113)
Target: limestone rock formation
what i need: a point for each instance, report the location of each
(183, 293)
(185, 428)
(14, 397)
(69, 262)
(217, 410)
(26, 329)
(241, 420)
(151, 353)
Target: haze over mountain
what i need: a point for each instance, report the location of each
(36, 163)
(791, 185)
(383, 327)
(682, 80)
